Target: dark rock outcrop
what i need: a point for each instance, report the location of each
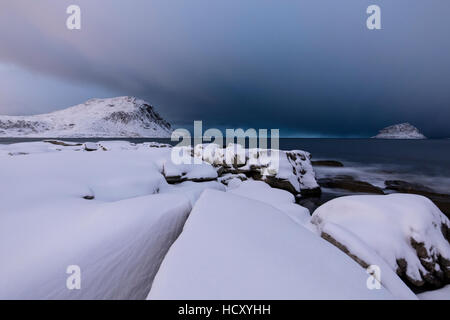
(442, 201)
(63, 143)
(293, 172)
(327, 163)
(349, 183)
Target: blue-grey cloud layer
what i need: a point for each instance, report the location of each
(308, 67)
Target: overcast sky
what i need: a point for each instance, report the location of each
(308, 67)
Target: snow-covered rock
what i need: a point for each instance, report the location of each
(400, 131)
(176, 173)
(229, 177)
(288, 170)
(233, 247)
(408, 232)
(114, 117)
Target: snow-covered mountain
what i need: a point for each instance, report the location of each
(114, 117)
(400, 131)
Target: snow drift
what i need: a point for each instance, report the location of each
(233, 247)
(118, 247)
(109, 211)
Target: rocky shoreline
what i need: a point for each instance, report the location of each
(386, 225)
(343, 184)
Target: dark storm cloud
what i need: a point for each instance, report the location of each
(308, 67)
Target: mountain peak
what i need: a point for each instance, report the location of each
(111, 117)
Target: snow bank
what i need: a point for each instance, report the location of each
(118, 247)
(233, 247)
(407, 231)
(61, 205)
(107, 176)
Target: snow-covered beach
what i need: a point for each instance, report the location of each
(225, 159)
(139, 226)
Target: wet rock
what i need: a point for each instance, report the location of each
(89, 146)
(442, 201)
(313, 202)
(314, 192)
(437, 268)
(182, 178)
(174, 179)
(406, 187)
(157, 145)
(343, 248)
(63, 143)
(225, 179)
(349, 183)
(327, 163)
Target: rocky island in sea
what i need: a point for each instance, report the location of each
(400, 131)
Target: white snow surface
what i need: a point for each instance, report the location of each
(250, 242)
(118, 247)
(118, 238)
(189, 171)
(233, 247)
(280, 199)
(400, 131)
(113, 117)
(439, 294)
(385, 225)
